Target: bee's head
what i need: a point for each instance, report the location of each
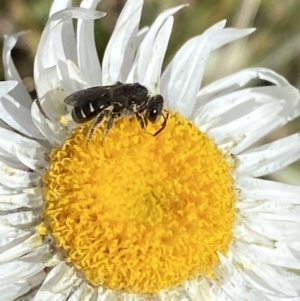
(155, 108)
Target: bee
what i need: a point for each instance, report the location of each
(112, 102)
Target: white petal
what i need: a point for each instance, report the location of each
(227, 107)
(198, 289)
(242, 233)
(225, 86)
(275, 298)
(237, 289)
(6, 243)
(83, 293)
(17, 116)
(20, 200)
(58, 284)
(46, 75)
(159, 47)
(6, 190)
(261, 275)
(12, 291)
(107, 294)
(280, 255)
(121, 46)
(267, 190)
(256, 123)
(12, 233)
(7, 86)
(171, 294)
(183, 76)
(44, 126)
(13, 162)
(12, 177)
(28, 296)
(52, 38)
(267, 209)
(88, 60)
(228, 35)
(271, 227)
(67, 43)
(70, 78)
(11, 72)
(186, 71)
(50, 94)
(21, 219)
(270, 157)
(234, 285)
(131, 70)
(223, 110)
(27, 266)
(13, 237)
(30, 244)
(145, 50)
(56, 84)
(236, 80)
(29, 152)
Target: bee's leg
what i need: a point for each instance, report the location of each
(142, 120)
(163, 125)
(110, 124)
(98, 121)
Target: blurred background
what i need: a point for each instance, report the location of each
(275, 44)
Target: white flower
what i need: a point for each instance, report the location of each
(257, 257)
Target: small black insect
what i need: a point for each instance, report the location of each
(115, 101)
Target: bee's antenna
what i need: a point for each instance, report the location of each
(163, 125)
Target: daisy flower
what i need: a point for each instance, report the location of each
(183, 215)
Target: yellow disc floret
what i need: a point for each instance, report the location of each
(140, 213)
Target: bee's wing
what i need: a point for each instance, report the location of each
(82, 97)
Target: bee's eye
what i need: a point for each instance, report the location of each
(153, 115)
(155, 108)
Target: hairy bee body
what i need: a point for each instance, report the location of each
(115, 101)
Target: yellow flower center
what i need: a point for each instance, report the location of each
(140, 213)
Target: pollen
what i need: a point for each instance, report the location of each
(140, 213)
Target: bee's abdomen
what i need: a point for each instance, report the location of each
(89, 110)
(81, 114)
